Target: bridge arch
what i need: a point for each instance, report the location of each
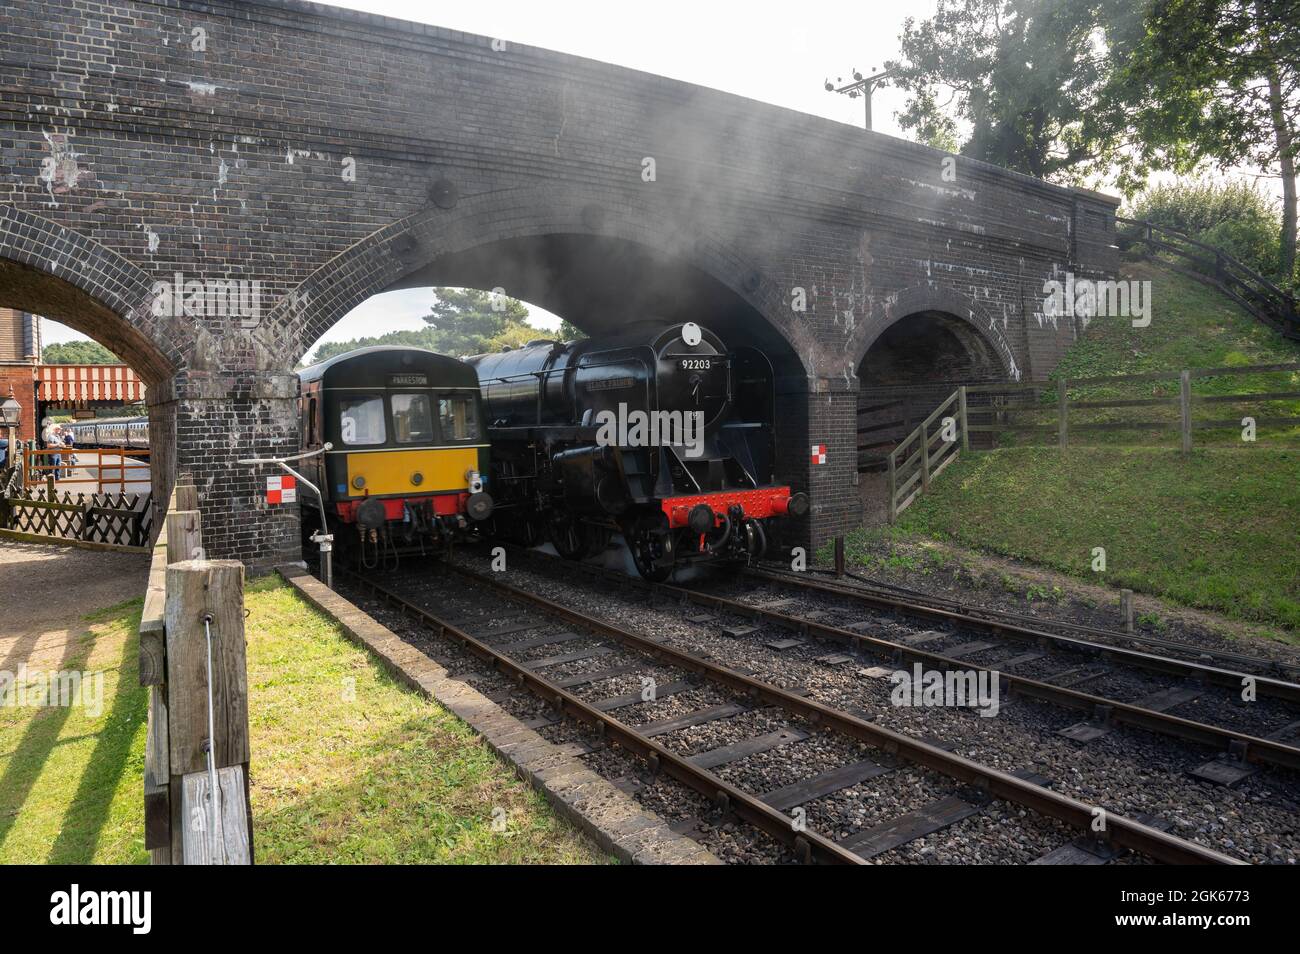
(593, 262)
(934, 333)
(61, 274)
(65, 276)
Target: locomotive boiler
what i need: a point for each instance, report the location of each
(660, 433)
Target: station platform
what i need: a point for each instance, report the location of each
(46, 591)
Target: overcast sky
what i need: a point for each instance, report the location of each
(777, 53)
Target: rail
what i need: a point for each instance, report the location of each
(911, 470)
(1264, 300)
(196, 806)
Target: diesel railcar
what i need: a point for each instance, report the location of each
(568, 461)
(408, 466)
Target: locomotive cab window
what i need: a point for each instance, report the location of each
(457, 419)
(412, 419)
(362, 420)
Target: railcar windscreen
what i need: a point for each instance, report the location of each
(412, 419)
(362, 420)
(457, 418)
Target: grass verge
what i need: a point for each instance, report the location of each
(348, 765)
(1216, 531)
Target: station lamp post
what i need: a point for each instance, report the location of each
(11, 415)
(862, 86)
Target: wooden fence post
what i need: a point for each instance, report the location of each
(961, 412)
(1063, 412)
(893, 487)
(184, 536)
(925, 457)
(839, 556)
(186, 497)
(207, 596)
(1185, 409)
(1126, 609)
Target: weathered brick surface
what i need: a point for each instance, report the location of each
(128, 155)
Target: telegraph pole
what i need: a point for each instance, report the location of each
(862, 86)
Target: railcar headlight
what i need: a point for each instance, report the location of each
(417, 478)
(475, 480)
(358, 481)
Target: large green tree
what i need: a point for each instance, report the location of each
(1214, 81)
(467, 321)
(1063, 89)
(462, 321)
(78, 352)
(1023, 75)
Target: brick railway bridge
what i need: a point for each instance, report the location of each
(332, 155)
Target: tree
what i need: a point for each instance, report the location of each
(78, 352)
(467, 321)
(569, 331)
(1210, 80)
(1024, 74)
(1063, 89)
(462, 322)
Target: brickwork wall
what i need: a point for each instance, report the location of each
(130, 151)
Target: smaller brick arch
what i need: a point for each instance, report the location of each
(940, 298)
(53, 271)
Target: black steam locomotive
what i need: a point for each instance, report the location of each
(659, 433)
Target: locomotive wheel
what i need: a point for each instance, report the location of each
(646, 546)
(529, 531)
(570, 537)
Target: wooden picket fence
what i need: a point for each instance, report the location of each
(117, 520)
(190, 597)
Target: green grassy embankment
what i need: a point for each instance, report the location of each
(1219, 530)
(1216, 531)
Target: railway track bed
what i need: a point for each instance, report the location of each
(863, 794)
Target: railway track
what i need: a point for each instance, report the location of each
(887, 595)
(651, 698)
(1111, 685)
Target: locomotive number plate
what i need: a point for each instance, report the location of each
(697, 364)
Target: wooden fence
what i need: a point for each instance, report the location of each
(192, 659)
(1001, 409)
(924, 453)
(105, 467)
(43, 514)
(1264, 300)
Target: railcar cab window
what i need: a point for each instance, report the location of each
(362, 420)
(412, 419)
(457, 419)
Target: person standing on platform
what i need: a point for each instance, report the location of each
(52, 441)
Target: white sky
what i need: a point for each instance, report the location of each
(776, 53)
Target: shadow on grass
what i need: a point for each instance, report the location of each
(88, 812)
(39, 739)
